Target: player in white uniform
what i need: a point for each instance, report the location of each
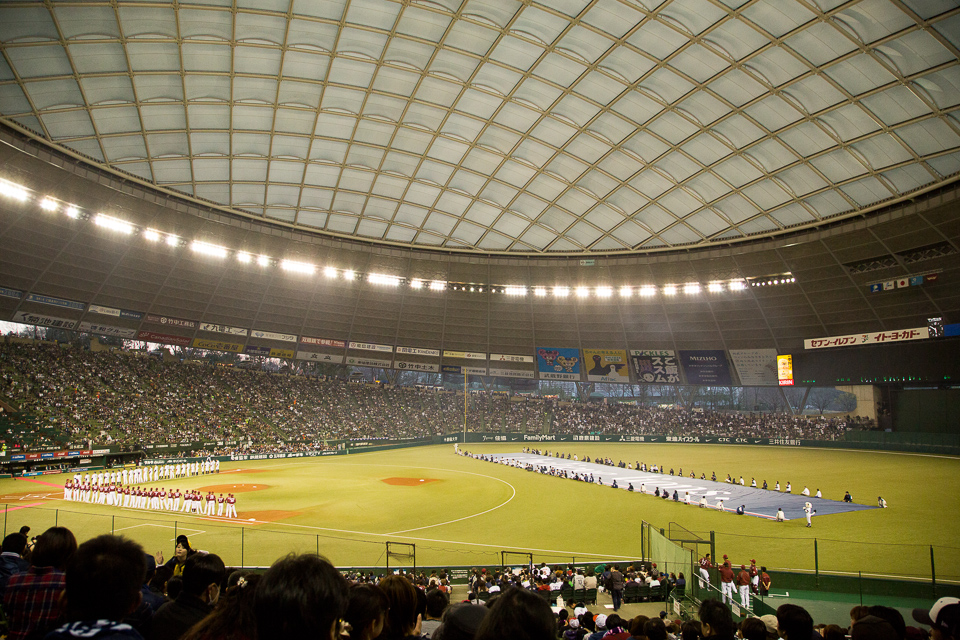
(809, 511)
(231, 506)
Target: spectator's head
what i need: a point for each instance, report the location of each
(437, 601)
(716, 619)
(943, 618)
(300, 597)
(893, 617)
(14, 543)
(872, 628)
(794, 622)
(402, 596)
(234, 616)
(203, 576)
(54, 548)
(690, 630)
(753, 629)
(366, 611)
(174, 587)
(519, 615)
(103, 578)
(858, 612)
(834, 632)
(655, 629)
(460, 622)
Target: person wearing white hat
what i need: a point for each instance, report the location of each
(943, 618)
(809, 511)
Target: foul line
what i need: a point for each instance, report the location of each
(49, 484)
(24, 506)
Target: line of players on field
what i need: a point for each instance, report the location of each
(108, 488)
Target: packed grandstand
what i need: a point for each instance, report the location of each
(76, 397)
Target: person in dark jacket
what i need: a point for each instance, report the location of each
(11, 558)
(102, 586)
(202, 577)
(616, 587)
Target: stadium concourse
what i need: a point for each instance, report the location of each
(726, 496)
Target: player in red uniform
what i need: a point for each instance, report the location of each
(743, 586)
(726, 583)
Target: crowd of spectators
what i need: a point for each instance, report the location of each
(80, 398)
(109, 588)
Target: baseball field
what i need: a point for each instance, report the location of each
(461, 511)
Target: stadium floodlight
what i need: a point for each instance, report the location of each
(715, 287)
(207, 249)
(691, 288)
(172, 240)
(72, 212)
(561, 292)
(416, 284)
(298, 267)
(604, 292)
(49, 204)
(152, 235)
(349, 274)
(737, 285)
(330, 272)
(379, 278)
(113, 224)
(263, 260)
(626, 292)
(14, 191)
(793, 279)
(648, 290)
(670, 290)
(438, 285)
(582, 292)
(540, 291)
(515, 291)
(244, 257)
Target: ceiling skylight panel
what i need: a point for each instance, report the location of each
(453, 63)
(309, 66)
(546, 187)
(680, 234)
(566, 167)
(849, 122)
(373, 13)
(820, 43)
(439, 92)
(771, 155)
(418, 193)
(707, 222)
(362, 42)
(792, 214)
(599, 87)
(672, 128)
(250, 144)
(929, 136)
(896, 104)
(157, 87)
(585, 43)
(736, 208)
(249, 27)
(558, 69)
(698, 62)
(409, 54)
(645, 145)
(71, 124)
(553, 132)
(286, 171)
(510, 224)
(482, 162)
(318, 175)
(54, 93)
(384, 107)
(169, 117)
(708, 186)
(636, 107)
(513, 115)
(576, 202)
(613, 17)
(694, 15)
(583, 233)
(396, 81)
(763, 224)
(206, 57)
(814, 94)
(657, 39)
(40, 61)
(678, 166)
(471, 37)
(777, 66)
(802, 180)
(290, 146)
(736, 38)
(496, 78)
(148, 21)
(405, 139)
(908, 178)
(679, 202)
(341, 223)
(168, 144)
(205, 24)
(152, 56)
(611, 127)
(498, 138)
(536, 93)
(631, 233)
(778, 18)
(103, 90)
(867, 191)
(543, 26)
(627, 64)
(739, 131)
(167, 171)
(651, 184)
(737, 88)
(447, 150)
(828, 203)
(26, 24)
(914, 52)
(882, 151)
(420, 23)
(351, 72)
(587, 148)
(872, 20)
(498, 193)
(767, 194)
(13, 100)
(208, 88)
(249, 170)
(462, 127)
(251, 118)
(667, 85)
(310, 35)
(737, 171)
(807, 139)
(838, 166)
(78, 23)
(704, 107)
(597, 183)
(773, 113)
(211, 169)
(942, 86)
(248, 89)
(949, 29)
(620, 165)
(124, 148)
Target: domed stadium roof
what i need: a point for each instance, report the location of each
(547, 128)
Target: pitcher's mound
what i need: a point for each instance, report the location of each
(408, 482)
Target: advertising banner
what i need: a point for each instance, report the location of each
(173, 322)
(270, 335)
(512, 373)
(655, 366)
(470, 371)
(44, 321)
(785, 371)
(416, 351)
(281, 353)
(104, 311)
(756, 367)
(164, 338)
(555, 363)
(606, 365)
(463, 355)
(502, 357)
(706, 367)
(368, 346)
(7, 292)
(252, 350)
(369, 362)
(323, 342)
(217, 345)
(416, 366)
(222, 328)
(880, 337)
(319, 357)
(106, 330)
(56, 302)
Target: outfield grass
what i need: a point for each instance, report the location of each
(466, 511)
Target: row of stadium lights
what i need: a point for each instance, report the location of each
(52, 205)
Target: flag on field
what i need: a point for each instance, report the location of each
(876, 287)
(903, 282)
(889, 284)
(916, 280)
(931, 277)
